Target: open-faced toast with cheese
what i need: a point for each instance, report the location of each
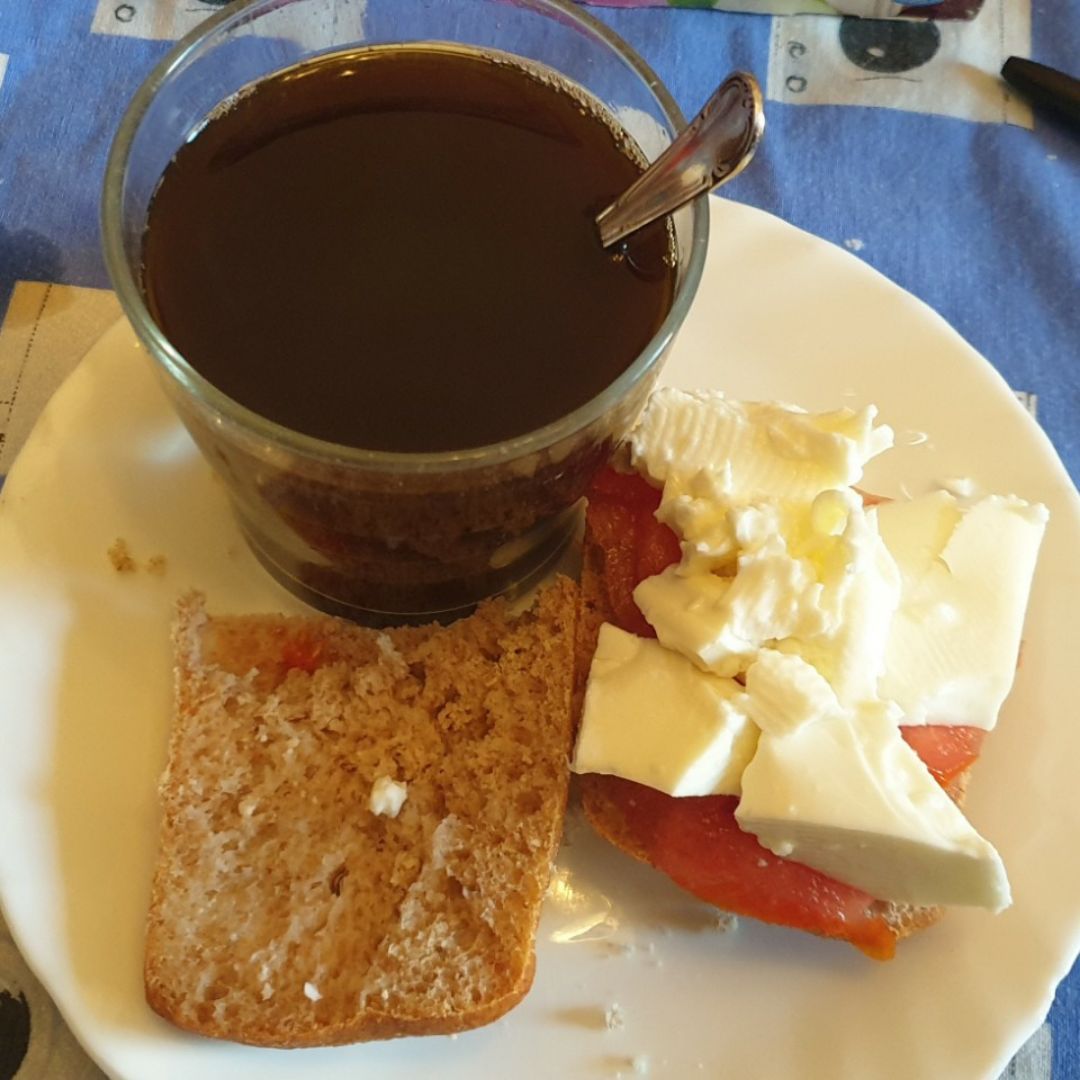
(358, 826)
(783, 688)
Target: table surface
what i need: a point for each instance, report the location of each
(894, 139)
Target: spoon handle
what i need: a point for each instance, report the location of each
(715, 146)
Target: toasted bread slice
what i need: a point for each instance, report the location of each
(604, 815)
(284, 911)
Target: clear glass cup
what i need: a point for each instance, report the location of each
(390, 537)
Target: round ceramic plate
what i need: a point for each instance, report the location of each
(632, 975)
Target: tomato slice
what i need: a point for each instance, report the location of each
(622, 521)
(699, 845)
(946, 750)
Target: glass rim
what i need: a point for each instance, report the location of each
(166, 356)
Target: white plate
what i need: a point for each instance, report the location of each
(85, 701)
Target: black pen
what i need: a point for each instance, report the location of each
(1043, 86)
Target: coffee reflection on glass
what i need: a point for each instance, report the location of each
(371, 278)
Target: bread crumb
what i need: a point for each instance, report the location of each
(726, 923)
(123, 562)
(120, 557)
(613, 1017)
(311, 992)
(387, 796)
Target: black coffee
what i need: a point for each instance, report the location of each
(394, 248)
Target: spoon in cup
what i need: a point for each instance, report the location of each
(715, 146)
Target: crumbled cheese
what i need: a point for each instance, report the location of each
(613, 1017)
(387, 796)
(311, 992)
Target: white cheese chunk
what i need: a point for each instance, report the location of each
(720, 623)
(966, 574)
(784, 692)
(815, 581)
(847, 796)
(860, 594)
(652, 717)
(387, 796)
(755, 449)
(687, 613)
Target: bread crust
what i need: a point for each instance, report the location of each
(604, 815)
(454, 945)
(373, 1026)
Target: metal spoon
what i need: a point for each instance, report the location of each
(715, 146)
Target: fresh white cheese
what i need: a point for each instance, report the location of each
(652, 717)
(966, 574)
(784, 692)
(720, 623)
(847, 796)
(814, 580)
(754, 449)
(844, 620)
(860, 594)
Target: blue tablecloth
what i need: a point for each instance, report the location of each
(894, 139)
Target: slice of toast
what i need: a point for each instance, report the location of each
(284, 911)
(604, 814)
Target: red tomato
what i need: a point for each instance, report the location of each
(946, 751)
(699, 845)
(622, 520)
